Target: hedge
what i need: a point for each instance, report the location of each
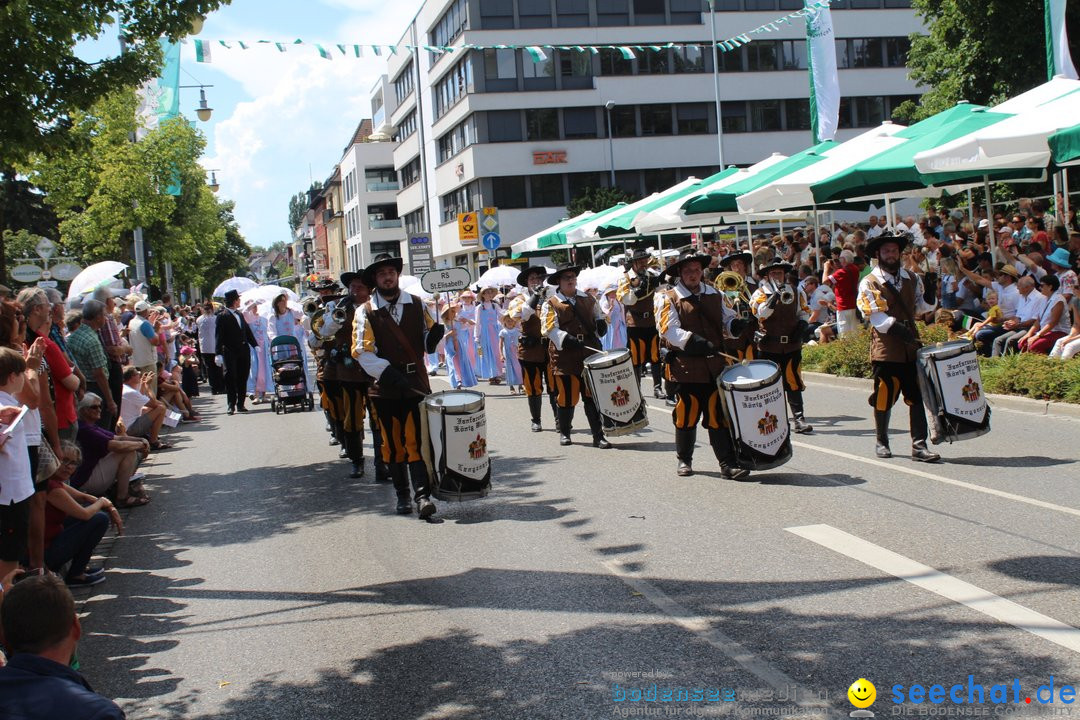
(1024, 374)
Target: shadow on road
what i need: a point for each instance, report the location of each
(1057, 569)
(1013, 461)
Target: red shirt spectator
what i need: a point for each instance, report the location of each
(845, 282)
(59, 368)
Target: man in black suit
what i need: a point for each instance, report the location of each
(234, 341)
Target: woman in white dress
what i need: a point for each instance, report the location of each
(283, 321)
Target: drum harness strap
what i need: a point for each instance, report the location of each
(395, 330)
(909, 320)
(584, 325)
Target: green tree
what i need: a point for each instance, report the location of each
(982, 51)
(232, 256)
(298, 205)
(595, 199)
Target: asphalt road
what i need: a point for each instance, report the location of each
(262, 583)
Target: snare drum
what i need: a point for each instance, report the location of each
(458, 429)
(756, 411)
(952, 391)
(613, 385)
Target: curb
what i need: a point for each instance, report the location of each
(997, 402)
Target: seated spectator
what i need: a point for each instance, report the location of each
(822, 310)
(173, 395)
(41, 631)
(109, 460)
(1069, 346)
(75, 523)
(142, 415)
(1053, 323)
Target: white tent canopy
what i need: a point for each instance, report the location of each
(1017, 142)
(796, 190)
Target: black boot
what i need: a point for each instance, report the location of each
(566, 421)
(399, 474)
(593, 415)
(799, 423)
(725, 455)
(535, 403)
(382, 472)
(343, 438)
(658, 381)
(554, 402)
(421, 489)
(919, 430)
(881, 431)
(684, 450)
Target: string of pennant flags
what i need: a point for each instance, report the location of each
(538, 53)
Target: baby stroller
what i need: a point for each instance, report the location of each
(287, 363)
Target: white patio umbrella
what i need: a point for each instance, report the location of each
(239, 284)
(498, 276)
(101, 273)
(532, 243)
(599, 277)
(586, 232)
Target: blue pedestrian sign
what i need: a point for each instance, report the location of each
(492, 241)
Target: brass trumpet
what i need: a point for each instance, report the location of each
(733, 285)
(787, 295)
(311, 305)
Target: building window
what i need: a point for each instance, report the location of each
(380, 179)
(383, 216)
(731, 61)
(538, 75)
(793, 54)
(689, 59)
(407, 126)
(655, 119)
(733, 116)
(896, 51)
(624, 121)
(657, 180)
(867, 53)
(572, 13)
(845, 120)
(612, 13)
(760, 4)
(576, 182)
(653, 62)
(509, 192)
(409, 173)
(496, 14)
(869, 111)
(403, 84)
(687, 12)
(451, 24)
(797, 114)
(612, 62)
(765, 115)
(500, 64)
(390, 247)
(693, 118)
(629, 181)
(455, 85)
(464, 199)
(415, 222)
(534, 13)
(575, 69)
(649, 12)
(579, 123)
(542, 124)
(546, 191)
(504, 126)
(761, 56)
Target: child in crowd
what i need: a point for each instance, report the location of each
(16, 482)
(508, 339)
(994, 316)
(458, 337)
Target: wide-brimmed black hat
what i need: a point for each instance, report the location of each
(637, 254)
(348, 276)
(747, 258)
(553, 278)
(775, 265)
(381, 261)
(692, 256)
(874, 246)
(324, 283)
(523, 276)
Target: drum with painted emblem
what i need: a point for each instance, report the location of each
(457, 426)
(613, 385)
(755, 410)
(952, 391)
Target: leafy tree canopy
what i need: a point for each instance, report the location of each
(595, 199)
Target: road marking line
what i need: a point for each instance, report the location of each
(942, 584)
(938, 478)
(701, 627)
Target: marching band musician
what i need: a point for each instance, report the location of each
(743, 332)
(573, 323)
(635, 293)
(391, 333)
(532, 345)
(891, 298)
(693, 319)
(783, 316)
(325, 377)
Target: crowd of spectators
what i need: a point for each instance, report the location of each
(1008, 282)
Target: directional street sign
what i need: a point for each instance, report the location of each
(492, 240)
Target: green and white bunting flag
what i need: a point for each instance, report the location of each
(202, 51)
(824, 80)
(323, 52)
(536, 53)
(1058, 59)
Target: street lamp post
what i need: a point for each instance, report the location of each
(611, 143)
(716, 84)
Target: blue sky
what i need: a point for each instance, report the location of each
(281, 119)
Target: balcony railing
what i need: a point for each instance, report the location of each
(382, 186)
(383, 224)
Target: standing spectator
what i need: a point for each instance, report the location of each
(143, 415)
(116, 350)
(845, 284)
(37, 310)
(85, 346)
(16, 480)
(108, 460)
(1028, 311)
(42, 630)
(207, 325)
(1053, 323)
(144, 342)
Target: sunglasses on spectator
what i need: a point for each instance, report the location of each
(69, 462)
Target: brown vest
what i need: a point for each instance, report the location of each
(412, 326)
(705, 318)
(340, 361)
(538, 353)
(640, 314)
(781, 324)
(579, 322)
(889, 348)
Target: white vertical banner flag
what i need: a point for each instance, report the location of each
(1058, 59)
(824, 81)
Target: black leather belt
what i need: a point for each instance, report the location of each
(408, 368)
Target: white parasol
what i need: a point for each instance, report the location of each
(101, 273)
(239, 284)
(498, 276)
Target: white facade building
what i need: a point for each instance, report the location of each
(476, 129)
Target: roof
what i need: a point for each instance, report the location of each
(363, 131)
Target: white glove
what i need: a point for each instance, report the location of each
(219, 361)
(330, 328)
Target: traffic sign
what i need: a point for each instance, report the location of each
(468, 228)
(492, 240)
(45, 248)
(446, 280)
(25, 273)
(47, 283)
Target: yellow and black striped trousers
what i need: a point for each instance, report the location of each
(790, 367)
(535, 376)
(569, 389)
(399, 421)
(697, 401)
(644, 344)
(891, 379)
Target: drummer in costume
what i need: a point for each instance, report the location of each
(349, 401)
(573, 323)
(636, 295)
(532, 350)
(693, 320)
(783, 316)
(738, 299)
(891, 298)
(391, 333)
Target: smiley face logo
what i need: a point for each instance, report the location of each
(862, 693)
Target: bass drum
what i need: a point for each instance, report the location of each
(755, 409)
(952, 391)
(457, 426)
(613, 385)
